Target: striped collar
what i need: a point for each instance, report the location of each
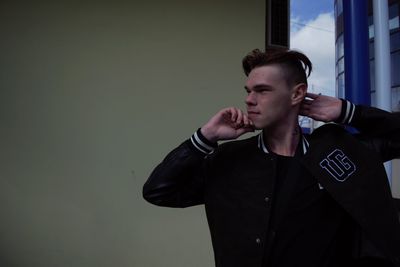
(263, 147)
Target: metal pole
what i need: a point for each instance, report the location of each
(382, 61)
(356, 51)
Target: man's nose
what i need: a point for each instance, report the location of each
(250, 99)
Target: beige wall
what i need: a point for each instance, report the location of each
(92, 96)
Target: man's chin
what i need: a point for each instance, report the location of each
(258, 127)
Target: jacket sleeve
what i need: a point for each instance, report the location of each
(178, 181)
(378, 129)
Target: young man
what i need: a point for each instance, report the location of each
(283, 198)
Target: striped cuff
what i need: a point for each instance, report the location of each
(201, 143)
(347, 112)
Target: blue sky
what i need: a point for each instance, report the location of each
(313, 33)
(307, 10)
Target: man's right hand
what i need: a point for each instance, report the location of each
(229, 123)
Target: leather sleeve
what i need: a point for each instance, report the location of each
(379, 130)
(178, 181)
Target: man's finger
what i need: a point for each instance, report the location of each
(233, 114)
(312, 95)
(307, 102)
(239, 119)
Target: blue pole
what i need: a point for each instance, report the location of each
(356, 51)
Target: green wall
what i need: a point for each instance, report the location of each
(92, 96)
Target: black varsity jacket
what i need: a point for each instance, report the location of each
(348, 166)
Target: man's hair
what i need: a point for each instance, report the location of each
(295, 65)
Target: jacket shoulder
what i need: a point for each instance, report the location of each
(329, 128)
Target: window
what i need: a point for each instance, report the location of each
(371, 27)
(395, 68)
(371, 50)
(340, 65)
(339, 7)
(372, 76)
(341, 92)
(396, 99)
(373, 98)
(395, 41)
(340, 47)
(394, 16)
(337, 87)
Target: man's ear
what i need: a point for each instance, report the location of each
(299, 93)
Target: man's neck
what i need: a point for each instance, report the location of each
(283, 140)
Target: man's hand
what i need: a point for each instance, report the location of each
(321, 107)
(229, 123)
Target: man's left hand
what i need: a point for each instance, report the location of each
(321, 107)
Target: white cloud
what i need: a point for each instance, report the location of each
(317, 41)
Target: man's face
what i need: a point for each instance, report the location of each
(269, 99)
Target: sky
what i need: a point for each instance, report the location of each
(313, 33)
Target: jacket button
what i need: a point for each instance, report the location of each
(258, 240)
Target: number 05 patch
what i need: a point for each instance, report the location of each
(338, 165)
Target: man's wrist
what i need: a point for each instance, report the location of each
(202, 144)
(346, 113)
(208, 135)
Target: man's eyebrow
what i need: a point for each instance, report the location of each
(259, 86)
(263, 86)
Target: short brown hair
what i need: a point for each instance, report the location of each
(295, 64)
